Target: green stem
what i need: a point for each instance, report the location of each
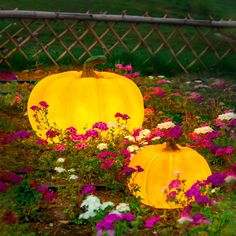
(88, 66)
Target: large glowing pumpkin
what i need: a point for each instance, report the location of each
(160, 162)
(81, 98)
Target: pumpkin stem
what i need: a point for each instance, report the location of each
(171, 146)
(89, 64)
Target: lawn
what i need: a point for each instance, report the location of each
(81, 183)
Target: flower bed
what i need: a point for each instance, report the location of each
(80, 183)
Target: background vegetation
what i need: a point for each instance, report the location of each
(174, 8)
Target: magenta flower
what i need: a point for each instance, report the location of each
(59, 148)
(125, 153)
(128, 170)
(80, 146)
(34, 108)
(51, 133)
(71, 130)
(107, 164)
(202, 199)
(3, 187)
(128, 68)
(21, 134)
(88, 189)
(43, 104)
(193, 191)
(91, 133)
(119, 66)
(199, 219)
(135, 74)
(122, 116)
(158, 91)
(25, 170)
(10, 218)
(13, 178)
(49, 196)
(42, 142)
(216, 179)
(175, 184)
(103, 155)
(174, 132)
(139, 169)
(78, 137)
(100, 125)
(149, 223)
(128, 216)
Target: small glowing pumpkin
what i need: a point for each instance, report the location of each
(81, 98)
(160, 162)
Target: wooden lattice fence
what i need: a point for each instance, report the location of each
(65, 38)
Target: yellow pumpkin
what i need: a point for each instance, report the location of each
(81, 98)
(160, 162)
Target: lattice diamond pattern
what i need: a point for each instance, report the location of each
(76, 39)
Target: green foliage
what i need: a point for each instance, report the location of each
(22, 199)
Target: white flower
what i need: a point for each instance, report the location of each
(122, 207)
(115, 212)
(177, 173)
(161, 76)
(59, 169)
(143, 134)
(73, 177)
(106, 204)
(102, 146)
(166, 125)
(203, 130)
(130, 138)
(151, 77)
(133, 148)
(60, 160)
(156, 138)
(91, 203)
(71, 170)
(227, 116)
(230, 178)
(111, 125)
(197, 81)
(184, 219)
(86, 215)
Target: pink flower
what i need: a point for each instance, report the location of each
(51, 133)
(42, 142)
(161, 81)
(158, 91)
(80, 146)
(43, 104)
(49, 196)
(10, 218)
(3, 187)
(135, 74)
(100, 125)
(175, 184)
(59, 148)
(122, 116)
(107, 164)
(88, 189)
(128, 68)
(149, 223)
(119, 66)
